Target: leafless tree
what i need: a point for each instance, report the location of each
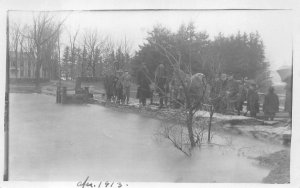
(72, 40)
(95, 45)
(43, 33)
(196, 98)
(15, 39)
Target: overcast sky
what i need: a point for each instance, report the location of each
(275, 27)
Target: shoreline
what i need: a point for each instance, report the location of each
(277, 162)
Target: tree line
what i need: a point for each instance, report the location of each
(87, 55)
(93, 54)
(241, 55)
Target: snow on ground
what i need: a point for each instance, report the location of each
(263, 127)
(222, 116)
(266, 129)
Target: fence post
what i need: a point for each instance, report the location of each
(58, 94)
(64, 95)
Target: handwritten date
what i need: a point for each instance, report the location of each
(106, 184)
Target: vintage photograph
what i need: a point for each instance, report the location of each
(192, 96)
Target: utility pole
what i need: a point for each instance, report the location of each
(6, 117)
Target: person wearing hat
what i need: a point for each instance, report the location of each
(271, 104)
(119, 87)
(126, 82)
(160, 82)
(143, 81)
(253, 100)
(232, 93)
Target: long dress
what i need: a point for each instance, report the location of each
(271, 105)
(143, 81)
(253, 102)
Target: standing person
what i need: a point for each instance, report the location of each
(271, 104)
(143, 81)
(109, 86)
(126, 82)
(179, 78)
(119, 87)
(160, 81)
(242, 97)
(223, 84)
(253, 100)
(232, 93)
(215, 93)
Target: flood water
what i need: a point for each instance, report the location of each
(53, 142)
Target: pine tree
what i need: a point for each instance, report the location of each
(65, 63)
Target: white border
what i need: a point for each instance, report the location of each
(158, 4)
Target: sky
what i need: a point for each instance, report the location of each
(274, 26)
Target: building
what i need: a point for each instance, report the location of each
(23, 67)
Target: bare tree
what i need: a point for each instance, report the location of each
(91, 41)
(193, 99)
(43, 31)
(15, 38)
(72, 40)
(97, 47)
(197, 95)
(125, 47)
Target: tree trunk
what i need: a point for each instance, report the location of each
(94, 70)
(209, 125)
(37, 74)
(38, 67)
(190, 128)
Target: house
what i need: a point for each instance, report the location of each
(23, 67)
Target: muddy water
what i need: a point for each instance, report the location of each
(69, 142)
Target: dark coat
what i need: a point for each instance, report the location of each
(271, 103)
(109, 85)
(253, 101)
(144, 83)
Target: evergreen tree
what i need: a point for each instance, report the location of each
(65, 63)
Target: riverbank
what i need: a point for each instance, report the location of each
(273, 131)
(279, 163)
(265, 131)
(68, 142)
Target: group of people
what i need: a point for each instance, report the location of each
(117, 87)
(230, 95)
(226, 94)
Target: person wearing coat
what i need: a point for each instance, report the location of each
(232, 92)
(160, 81)
(126, 83)
(119, 90)
(253, 101)
(242, 97)
(271, 104)
(198, 89)
(109, 84)
(143, 81)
